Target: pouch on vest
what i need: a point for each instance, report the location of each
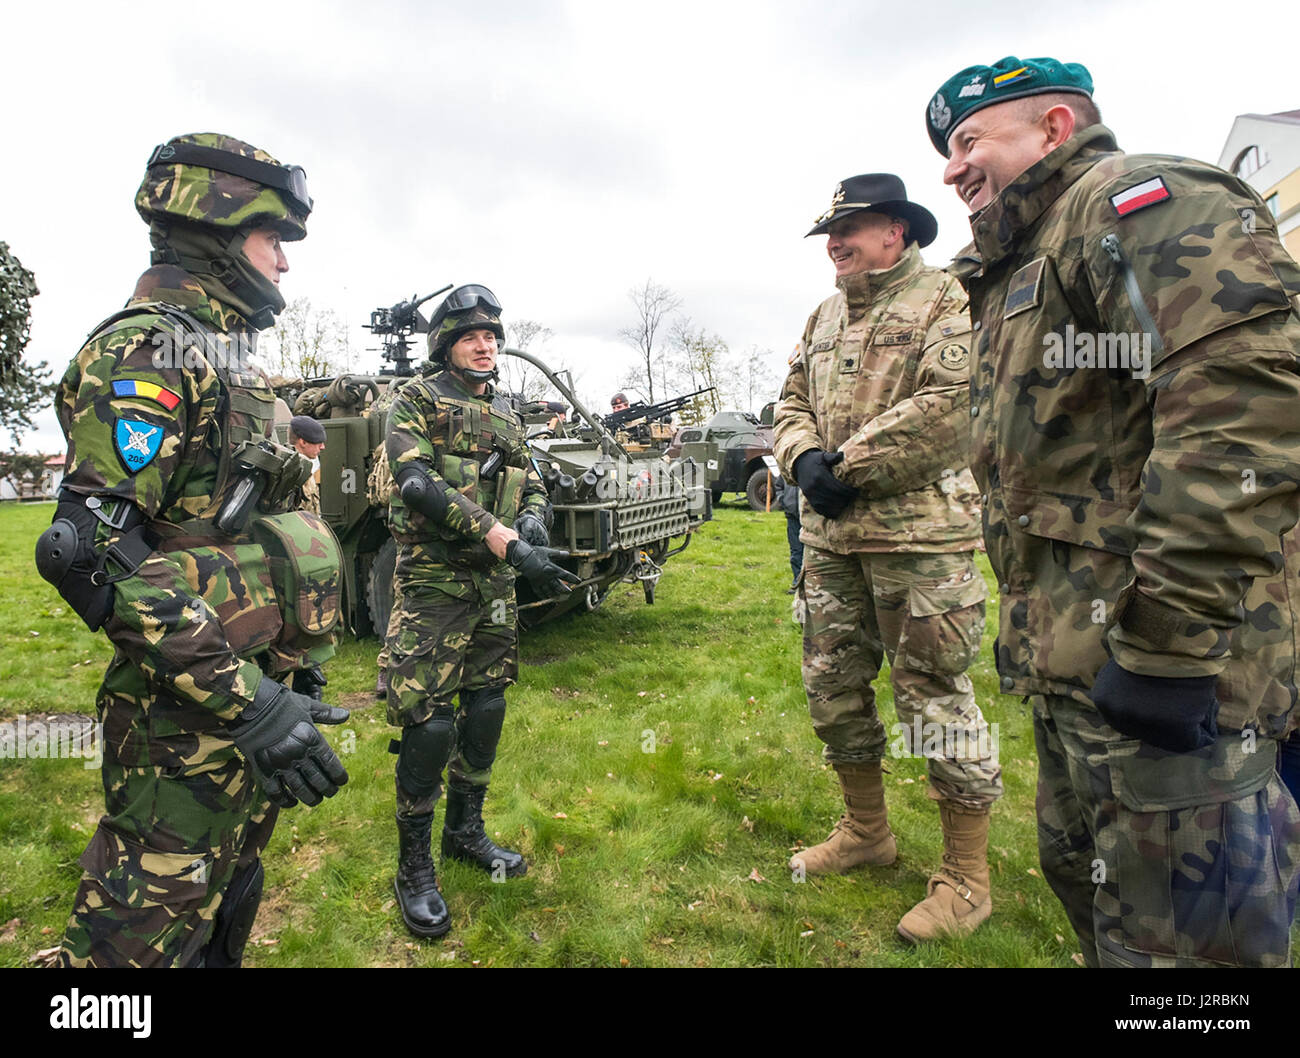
(306, 569)
(510, 491)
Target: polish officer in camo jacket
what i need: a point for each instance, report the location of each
(174, 535)
(1139, 511)
(872, 426)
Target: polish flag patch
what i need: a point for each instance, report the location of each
(1139, 196)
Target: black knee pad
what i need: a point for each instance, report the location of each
(235, 918)
(485, 712)
(424, 753)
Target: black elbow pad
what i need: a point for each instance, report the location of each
(66, 555)
(422, 492)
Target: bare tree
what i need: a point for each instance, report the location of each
(653, 304)
(25, 387)
(306, 343)
(519, 376)
(759, 383)
(705, 361)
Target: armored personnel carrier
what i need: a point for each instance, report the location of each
(730, 447)
(620, 514)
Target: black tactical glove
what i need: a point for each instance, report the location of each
(277, 733)
(547, 579)
(532, 529)
(827, 494)
(1176, 714)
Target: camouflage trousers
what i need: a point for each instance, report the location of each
(925, 611)
(160, 861)
(451, 632)
(1165, 859)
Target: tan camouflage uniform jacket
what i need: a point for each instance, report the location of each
(1171, 492)
(881, 375)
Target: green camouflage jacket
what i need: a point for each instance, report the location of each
(881, 375)
(1134, 400)
(436, 421)
(147, 419)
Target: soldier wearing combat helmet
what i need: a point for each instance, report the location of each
(173, 535)
(872, 428)
(1132, 390)
(469, 513)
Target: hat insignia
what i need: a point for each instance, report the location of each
(940, 112)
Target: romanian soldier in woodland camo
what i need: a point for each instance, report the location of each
(872, 427)
(469, 513)
(172, 534)
(1133, 397)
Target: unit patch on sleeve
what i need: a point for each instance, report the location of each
(1139, 196)
(954, 356)
(136, 443)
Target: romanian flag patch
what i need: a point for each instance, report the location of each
(1139, 196)
(1011, 77)
(134, 387)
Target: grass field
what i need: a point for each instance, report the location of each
(657, 769)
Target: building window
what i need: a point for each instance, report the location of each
(1249, 162)
(1271, 203)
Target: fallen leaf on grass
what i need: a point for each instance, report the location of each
(46, 931)
(640, 694)
(446, 956)
(1060, 939)
(532, 935)
(45, 957)
(1033, 872)
(1077, 958)
(807, 933)
(560, 815)
(10, 932)
(622, 961)
(559, 850)
(747, 824)
(754, 876)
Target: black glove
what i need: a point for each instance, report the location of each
(532, 529)
(547, 578)
(827, 494)
(277, 733)
(1176, 714)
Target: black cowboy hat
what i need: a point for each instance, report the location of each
(879, 193)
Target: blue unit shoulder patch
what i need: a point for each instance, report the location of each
(136, 443)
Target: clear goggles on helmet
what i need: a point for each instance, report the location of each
(289, 180)
(462, 299)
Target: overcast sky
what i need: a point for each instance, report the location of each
(563, 152)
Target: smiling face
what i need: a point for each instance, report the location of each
(474, 350)
(996, 144)
(864, 242)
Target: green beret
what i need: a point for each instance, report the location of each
(977, 87)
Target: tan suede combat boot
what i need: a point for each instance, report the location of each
(862, 836)
(957, 898)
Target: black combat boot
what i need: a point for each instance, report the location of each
(417, 884)
(463, 836)
(309, 682)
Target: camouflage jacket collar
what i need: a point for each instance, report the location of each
(451, 383)
(175, 286)
(862, 289)
(1000, 224)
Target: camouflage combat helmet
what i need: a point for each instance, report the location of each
(224, 182)
(467, 308)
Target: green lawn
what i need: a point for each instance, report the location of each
(657, 768)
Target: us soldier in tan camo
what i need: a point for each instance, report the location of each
(467, 505)
(195, 570)
(873, 428)
(1140, 511)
